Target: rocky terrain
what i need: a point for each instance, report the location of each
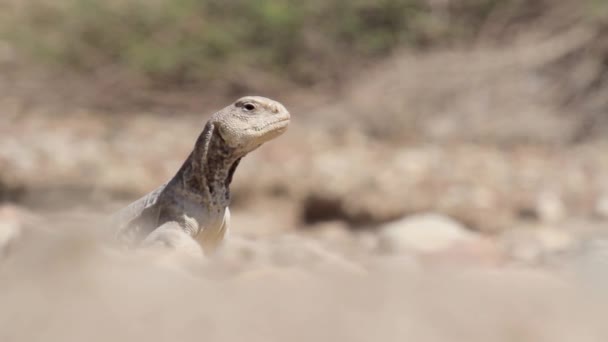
(456, 194)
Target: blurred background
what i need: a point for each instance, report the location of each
(491, 112)
(470, 131)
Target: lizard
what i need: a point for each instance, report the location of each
(193, 206)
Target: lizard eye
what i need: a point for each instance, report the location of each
(249, 106)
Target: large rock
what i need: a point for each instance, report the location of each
(423, 233)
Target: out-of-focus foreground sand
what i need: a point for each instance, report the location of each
(71, 288)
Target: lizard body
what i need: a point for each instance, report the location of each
(195, 201)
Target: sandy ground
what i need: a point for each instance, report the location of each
(440, 198)
(70, 288)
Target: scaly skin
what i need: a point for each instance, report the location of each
(194, 203)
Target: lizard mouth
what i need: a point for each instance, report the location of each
(278, 126)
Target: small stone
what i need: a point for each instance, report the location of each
(334, 233)
(12, 223)
(9, 233)
(528, 252)
(423, 233)
(550, 207)
(531, 244)
(601, 206)
(554, 240)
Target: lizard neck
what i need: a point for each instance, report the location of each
(209, 169)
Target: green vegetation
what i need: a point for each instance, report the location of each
(193, 41)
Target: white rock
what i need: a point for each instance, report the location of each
(9, 233)
(550, 207)
(554, 240)
(423, 233)
(601, 206)
(12, 219)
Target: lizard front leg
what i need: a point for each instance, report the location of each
(173, 235)
(212, 236)
(185, 232)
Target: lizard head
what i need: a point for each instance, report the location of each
(251, 121)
